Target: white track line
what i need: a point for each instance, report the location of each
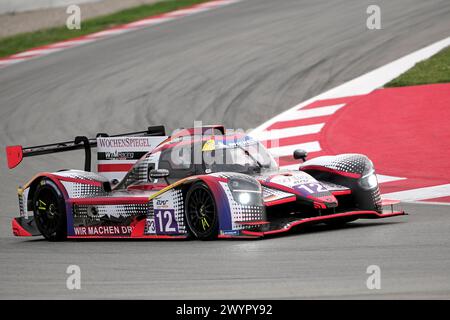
(70, 43)
(106, 33)
(11, 61)
(311, 113)
(186, 12)
(36, 52)
(149, 22)
(420, 193)
(288, 132)
(428, 202)
(383, 178)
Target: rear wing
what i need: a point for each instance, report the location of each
(15, 154)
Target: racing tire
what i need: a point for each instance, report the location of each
(49, 211)
(201, 212)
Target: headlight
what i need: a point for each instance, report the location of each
(244, 198)
(369, 181)
(246, 191)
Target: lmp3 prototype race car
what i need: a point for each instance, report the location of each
(199, 183)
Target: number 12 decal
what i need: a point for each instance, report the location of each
(311, 188)
(165, 221)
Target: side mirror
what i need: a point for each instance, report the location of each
(158, 173)
(300, 154)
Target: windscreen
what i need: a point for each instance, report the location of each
(245, 157)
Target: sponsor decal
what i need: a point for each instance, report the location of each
(293, 180)
(150, 226)
(244, 141)
(123, 142)
(103, 231)
(117, 155)
(162, 203)
(23, 200)
(231, 232)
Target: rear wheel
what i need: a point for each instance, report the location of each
(49, 211)
(201, 212)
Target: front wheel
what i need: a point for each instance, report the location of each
(201, 212)
(49, 211)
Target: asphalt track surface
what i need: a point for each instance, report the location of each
(239, 65)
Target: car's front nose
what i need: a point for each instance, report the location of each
(297, 186)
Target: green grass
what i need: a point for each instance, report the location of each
(434, 70)
(25, 41)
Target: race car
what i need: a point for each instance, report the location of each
(204, 183)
